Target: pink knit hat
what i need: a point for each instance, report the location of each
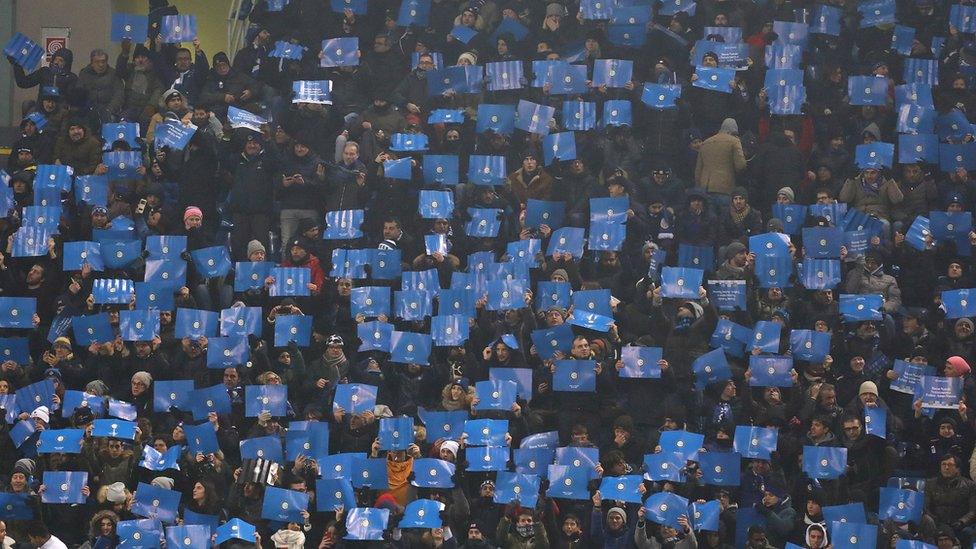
(959, 364)
(192, 211)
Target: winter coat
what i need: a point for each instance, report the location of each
(507, 539)
(860, 281)
(105, 91)
(950, 500)
(253, 188)
(873, 203)
(46, 77)
(84, 156)
(539, 186)
(719, 160)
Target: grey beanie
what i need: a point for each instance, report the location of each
(618, 510)
(97, 388)
(25, 466)
(730, 126)
(734, 247)
(255, 246)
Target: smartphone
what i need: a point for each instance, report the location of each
(141, 207)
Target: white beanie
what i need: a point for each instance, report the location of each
(165, 483)
(451, 446)
(115, 493)
(41, 413)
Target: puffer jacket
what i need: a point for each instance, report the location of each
(876, 282)
(878, 204)
(950, 500)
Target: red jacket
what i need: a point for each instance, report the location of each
(318, 275)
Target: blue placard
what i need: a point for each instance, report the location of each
(824, 462)
(17, 312)
(250, 275)
(139, 325)
(856, 308)
(909, 375)
(61, 441)
(520, 487)
(854, 535)
(259, 399)
(202, 439)
(874, 155)
(754, 442)
(486, 432)
(574, 376)
(156, 503)
(612, 73)
(174, 29)
(661, 96)
(504, 75)
(913, 148)
(92, 190)
(366, 524)
(900, 505)
(567, 482)
(172, 394)
(340, 52)
(809, 345)
(448, 425)
(63, 487)
(641, 362)
(120, 131)
(728, 295)
(826, 20)
(711, 367)
(939, 392)
(195, 323)
(287, 50)
(876, 12)
(867, 90)
(414, 13)
(91, 329)
(354, 398)
(122, 164)
(225, 352)
(770, 371)
(665, 508)
(433, 473)
(24, 51)
(127, 26)
(720, 468)
(715, 79)
(680, 282)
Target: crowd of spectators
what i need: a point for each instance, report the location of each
(472, 222)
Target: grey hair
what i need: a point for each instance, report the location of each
(98, 52)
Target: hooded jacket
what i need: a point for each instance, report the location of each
(44, 77)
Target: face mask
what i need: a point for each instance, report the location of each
(525, 531)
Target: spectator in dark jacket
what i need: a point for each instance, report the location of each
(251, 198)
(56, 75)
(104, 86)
